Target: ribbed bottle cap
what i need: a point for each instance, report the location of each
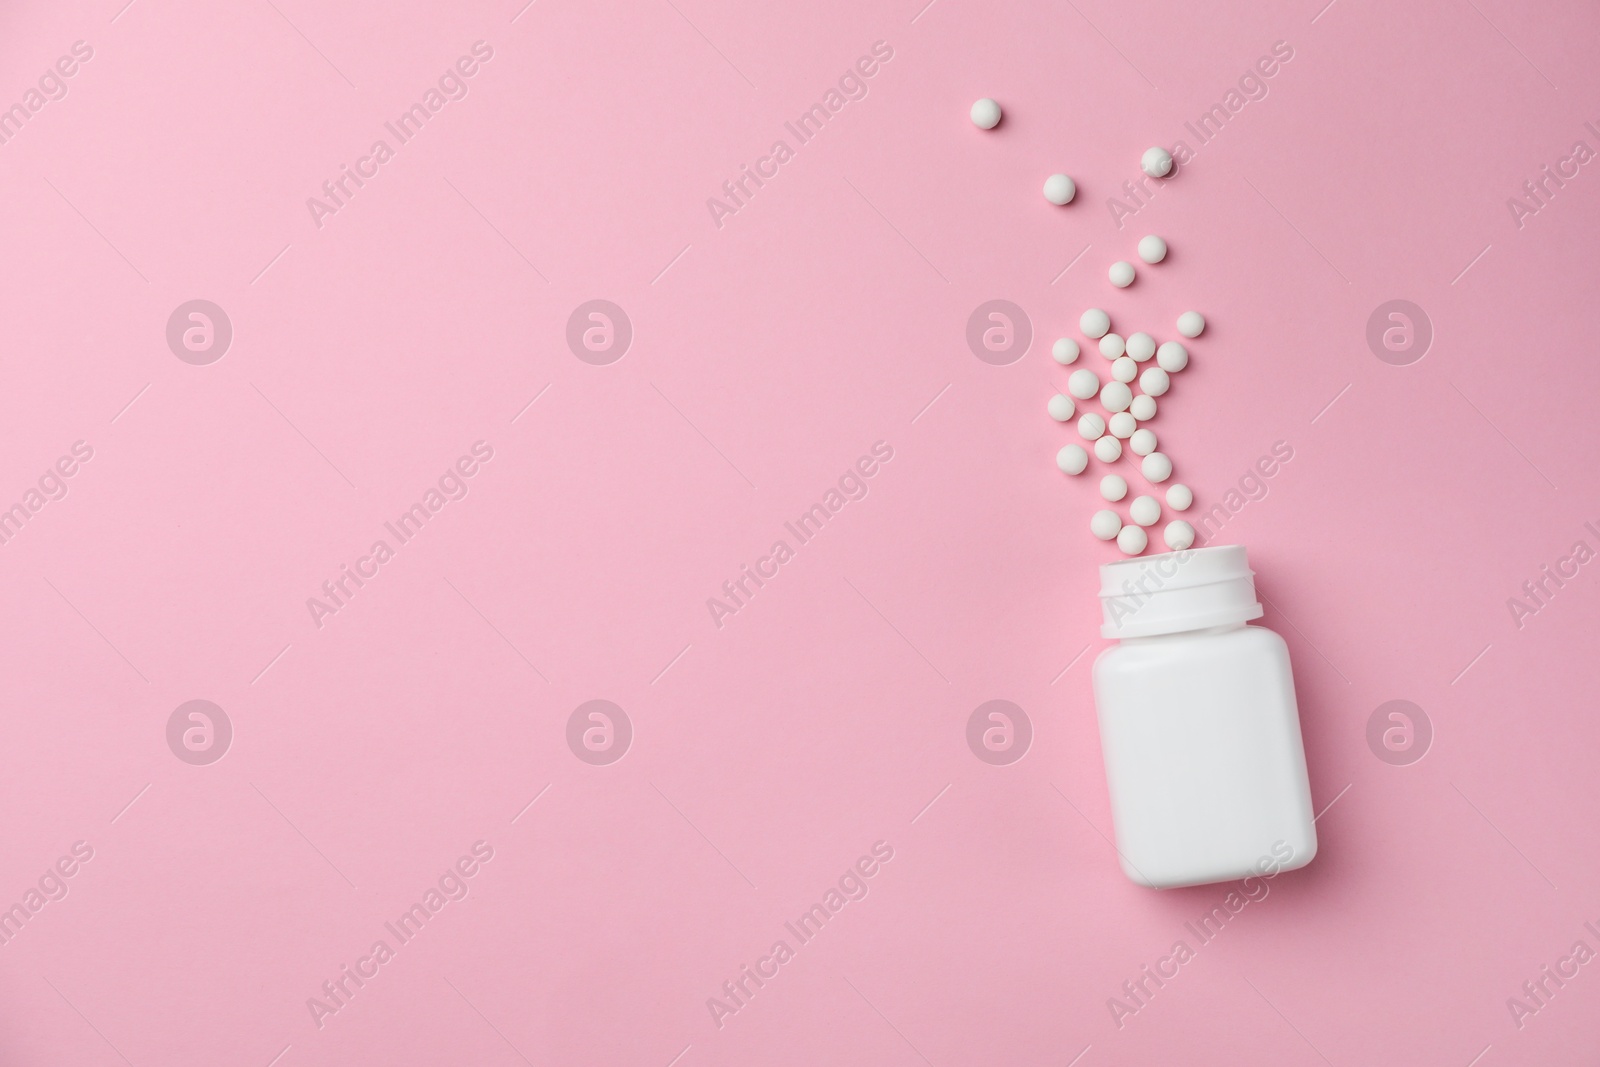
(1177, 591)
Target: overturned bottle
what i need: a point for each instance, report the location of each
(1198, 723)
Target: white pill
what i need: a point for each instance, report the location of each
(1145, 510)
(1091, 426)
(1143, 407)
(1065, 350)
(1122, 425)
(1113, 487)
(1072, 459)
(1094, 323)
(1154, 381)
(1141, 346)
(1179, 496)
(1115, 396)
(1112, 345)
(1132, 539)
(1143, 442)
(1061, 408)
(1152, 249)
(1105, 524)
(1178, 535)
(1172, 357)
(1060, 189)
(1156, 467)
(1156, 162)
(1108, 449)
(1124, 369)
(1083, 383)
(986, 115)
(1191, 323)
(1121, 274)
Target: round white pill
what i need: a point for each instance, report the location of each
(1108, 449)
(1178, 535)
(1145, 510)
(1115, 396)
(1112, 345)
(1061, 408)
(1121, 274)
(1141, 346)
(1152, 249)
(1179, 496)
(1143, 442)
(1156, 467)
(1132, 539)
(1122, 425)
(1143, 407)
(1154, 381)
(1083, 383)
(1113, 487)
(986, 115)
(1065, 350)
(1105, 524)
(1091, 426)
(1060, 189)
(1072, 459)
(1094, 323)
(1172, 357)
(1124, 369)
(1191, 323)
(1156, 162)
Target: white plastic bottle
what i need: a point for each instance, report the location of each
(1198, 723)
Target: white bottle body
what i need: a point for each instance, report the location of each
(1203, 754)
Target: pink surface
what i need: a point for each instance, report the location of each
(374, 748)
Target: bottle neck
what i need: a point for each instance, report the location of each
(1177, 592)
(1203, 631)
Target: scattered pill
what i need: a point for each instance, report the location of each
(1152, 249)
(1143, 442)
(1179, 496)
(1145, 510)
(1154, 381)
(1072, 459)
(1172, 357)
(1113, 487)
(1156, 467)
(1178, 535)
(1060, 189)
(1091, 426)
(1141, 346)
(1191, 323)
(1121, 274)
(1108, 449)
(1132, 539)
(1112, 345)
(1143, 407)
(1061, 408)
(986, 116)
(1115, 396)
(1124, 369)
(1105, 524)
(1094, 323)
(1156, 162)
(1083, 383)
(1065, 350)
(1122, 425)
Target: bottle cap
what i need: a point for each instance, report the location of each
(1177, 591)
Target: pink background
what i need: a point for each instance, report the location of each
(768, 354)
